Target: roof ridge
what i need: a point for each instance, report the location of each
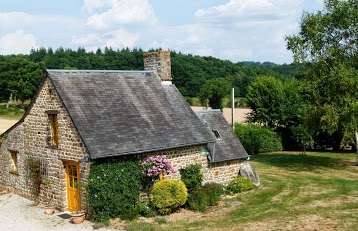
(208, 111)
(97, 71)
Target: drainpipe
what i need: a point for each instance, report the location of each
(213, 152)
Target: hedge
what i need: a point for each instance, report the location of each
(257, 139)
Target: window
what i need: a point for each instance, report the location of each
(217, 134)
(54, 129)
(14, 168)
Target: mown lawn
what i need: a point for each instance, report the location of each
(316, 191)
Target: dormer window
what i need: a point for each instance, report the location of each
(216, 133)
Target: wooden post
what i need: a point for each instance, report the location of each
(233, 108)
(357, 148)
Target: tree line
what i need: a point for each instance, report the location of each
(312, 102)
(21, 74)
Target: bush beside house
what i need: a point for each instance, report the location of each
(257, 139)
(113, 188)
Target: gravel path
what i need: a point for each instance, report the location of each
(17, 213)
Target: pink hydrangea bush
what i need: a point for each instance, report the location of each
(154, 165)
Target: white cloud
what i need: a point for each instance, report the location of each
(108, 14)
(49, 30)
(17, 43)
(250, 10)
(120, 38)
(90, 6)
(9, 20)
(244, 29)
(234, 54)
(115, 39)
(237, 29)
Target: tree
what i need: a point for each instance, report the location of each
(278, 105)
(20, 76)
(329, 35)
(327, 44)
(264, 97)
(214, 91)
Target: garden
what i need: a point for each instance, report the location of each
(130, 189)
(312, 191)
(316, 190)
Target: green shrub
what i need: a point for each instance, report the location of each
(189, 101)
(197, 201)
(130, 214)
(145, 210)
(239, 184)
(257, 139)
(113, 188)
(169, 195)
(192, 176)
(213, 192)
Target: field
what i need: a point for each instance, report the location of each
(6, 124)
(316, 191)
(9, 116)
(239, 114)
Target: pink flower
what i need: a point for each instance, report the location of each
(153, 166)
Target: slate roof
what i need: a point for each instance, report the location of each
(127, 112)
(228, 147)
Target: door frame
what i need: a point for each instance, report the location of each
(74, 207)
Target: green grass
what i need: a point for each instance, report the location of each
(313, 191)
(13, 112)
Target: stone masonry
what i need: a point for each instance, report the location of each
(222, 172)
(31, 139)
(160, 62)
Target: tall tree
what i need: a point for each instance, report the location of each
(264, 97)
(22, 76)
(214, 91)
(327, 43)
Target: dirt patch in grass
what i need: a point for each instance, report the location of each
(302, 223)
(334, 202)
(313, 190)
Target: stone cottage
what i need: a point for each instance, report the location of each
(80, 116)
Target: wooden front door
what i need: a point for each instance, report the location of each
(73, 193)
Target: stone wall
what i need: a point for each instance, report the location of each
(222, 172)
(160, 62)
(13, 141)
(31, 139)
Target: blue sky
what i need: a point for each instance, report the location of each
(237, 30)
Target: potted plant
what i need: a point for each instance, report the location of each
(78, 217)
(49, 207)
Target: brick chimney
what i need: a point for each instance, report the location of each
(159, 61)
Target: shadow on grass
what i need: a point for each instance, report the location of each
(295, 162)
